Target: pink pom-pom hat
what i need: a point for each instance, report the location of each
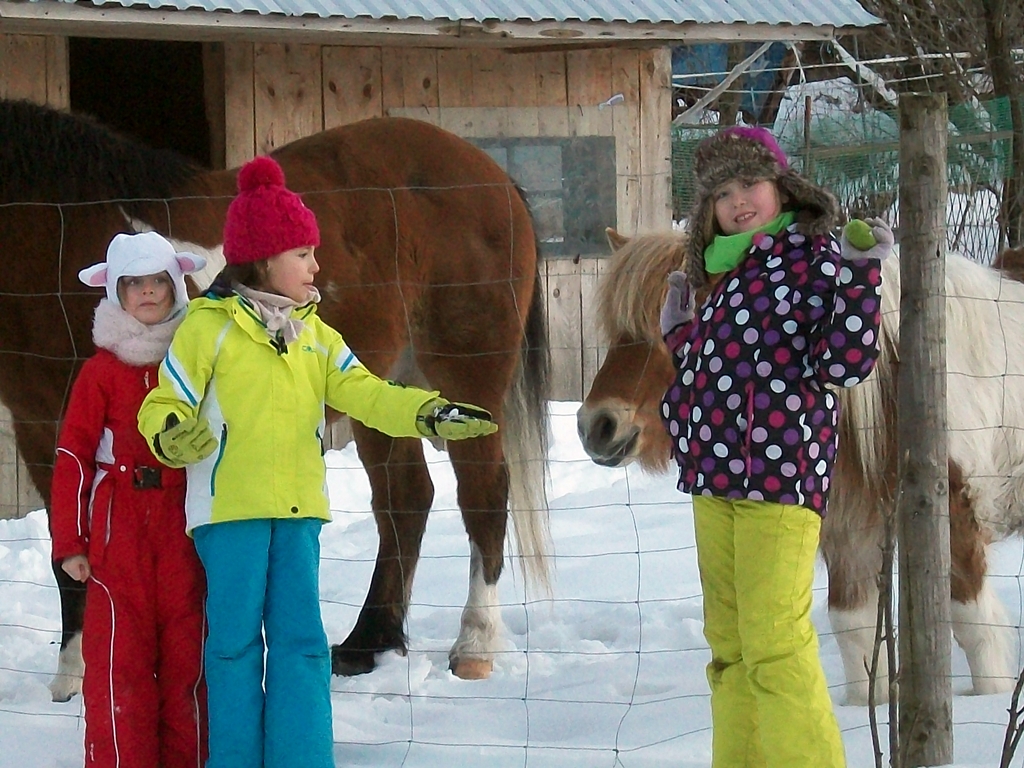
(266, 218)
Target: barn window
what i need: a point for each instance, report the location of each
(570, 183)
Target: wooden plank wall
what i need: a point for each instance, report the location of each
(275, 93)
(33, 67)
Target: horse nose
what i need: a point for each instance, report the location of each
(602, 429)
(599, 431)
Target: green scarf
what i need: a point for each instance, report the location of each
(727, 251)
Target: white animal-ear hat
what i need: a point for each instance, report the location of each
(147, 253)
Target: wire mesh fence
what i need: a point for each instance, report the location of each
(840, 133)
(610, 671)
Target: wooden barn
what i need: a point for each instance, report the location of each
(573, 98)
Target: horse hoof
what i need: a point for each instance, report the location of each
(472, 669)
(70, 670)
(63, 688)
(348, 663)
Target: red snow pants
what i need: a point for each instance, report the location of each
(142, 643)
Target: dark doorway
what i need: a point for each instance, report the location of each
(150, 89)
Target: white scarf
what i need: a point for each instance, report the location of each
(276, 311)
(131, 340)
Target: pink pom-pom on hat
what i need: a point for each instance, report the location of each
(260, 172)
(266, 218)
(763, 137)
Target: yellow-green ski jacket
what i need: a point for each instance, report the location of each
(265, 405)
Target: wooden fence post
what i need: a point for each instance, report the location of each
(925, 679)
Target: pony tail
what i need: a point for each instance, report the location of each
(248, 273)
(221, 286)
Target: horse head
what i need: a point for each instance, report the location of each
(620, 419)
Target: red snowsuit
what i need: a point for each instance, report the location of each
(112, 501)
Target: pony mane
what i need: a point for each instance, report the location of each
(984, 309)
(49, 156)
(1011, 263)
(631, 293)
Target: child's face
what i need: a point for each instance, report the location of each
(742, 205)
(147, 298)
(291, 274)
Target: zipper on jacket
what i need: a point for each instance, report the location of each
(220, 455)
(750, 426)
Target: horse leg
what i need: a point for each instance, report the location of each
(980, 624)
(70, 667)
(402, 493)
(853, 558)
(36, 435)
(483, 498)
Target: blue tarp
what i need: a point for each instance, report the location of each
(706, 65)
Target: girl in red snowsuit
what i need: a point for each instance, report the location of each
(118, 524)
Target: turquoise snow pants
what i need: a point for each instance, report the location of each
(770, 706)
(262, 580)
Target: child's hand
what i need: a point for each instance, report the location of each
(679, 303)
(185, 442)
(454, 421)
(867, 239)
(77, 567)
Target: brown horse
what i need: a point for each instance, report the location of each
(620, 422)
(428, 267)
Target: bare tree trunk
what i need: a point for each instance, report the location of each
(925, 679)
(729, 102)
(1005, 83)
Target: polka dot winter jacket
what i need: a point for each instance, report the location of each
(749, 412)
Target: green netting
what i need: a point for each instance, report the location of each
(856, 156)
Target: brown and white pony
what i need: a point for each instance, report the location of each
(428, 267)
(619, 422)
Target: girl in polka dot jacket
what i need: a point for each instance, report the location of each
(789, 313)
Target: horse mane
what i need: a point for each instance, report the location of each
(983, 311)
(631, 293)
(1011, 264)
(50, 156)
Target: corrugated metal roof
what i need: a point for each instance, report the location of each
(837, 13)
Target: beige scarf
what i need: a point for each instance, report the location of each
(276, 311)
(131, 340)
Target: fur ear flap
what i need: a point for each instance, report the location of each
(693, 255)
(95, 276)
(189, 262)
(819, 211)
(615, 240)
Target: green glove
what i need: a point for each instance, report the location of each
(454, 421)
(859, 233)
(185, 442)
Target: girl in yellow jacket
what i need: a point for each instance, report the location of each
(241, 404)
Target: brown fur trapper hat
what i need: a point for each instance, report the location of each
(749, 153)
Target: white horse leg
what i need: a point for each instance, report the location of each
(70, 669)
(482, 632)
(855, 634)
(982, 629)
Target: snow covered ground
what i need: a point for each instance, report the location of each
(608, 673)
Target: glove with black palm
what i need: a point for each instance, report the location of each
(184, 442)
(454, 421)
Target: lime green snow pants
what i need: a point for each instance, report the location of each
(770, 706)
